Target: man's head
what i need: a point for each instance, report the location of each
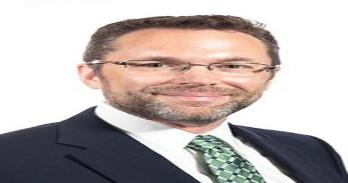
(176, 94)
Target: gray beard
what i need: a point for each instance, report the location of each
(146, 106)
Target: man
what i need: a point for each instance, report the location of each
(169, 84)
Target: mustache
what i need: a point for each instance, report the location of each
(193, 89)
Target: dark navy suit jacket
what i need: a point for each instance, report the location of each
(85, 149)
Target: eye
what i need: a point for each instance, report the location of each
(234, 66)
(155, 65)
(147, 64)
(231, 66)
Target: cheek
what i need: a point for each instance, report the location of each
(250, 84)
(130, 84)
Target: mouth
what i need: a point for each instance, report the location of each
(192, 96)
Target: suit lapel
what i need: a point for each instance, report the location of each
(125, 160)
(113, 154)
(110, 153)
(287, 158)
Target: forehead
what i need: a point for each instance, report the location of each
(205, 43)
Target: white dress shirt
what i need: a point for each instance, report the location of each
(170, 143)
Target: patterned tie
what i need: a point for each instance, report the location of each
(224, 162)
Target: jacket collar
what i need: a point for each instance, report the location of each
(84, 130)
(113, 154)
(285, 156)
(119, 158)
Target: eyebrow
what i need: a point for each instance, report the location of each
(173, 59)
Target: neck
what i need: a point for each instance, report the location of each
(197, 129)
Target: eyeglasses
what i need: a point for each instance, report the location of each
(164, 68)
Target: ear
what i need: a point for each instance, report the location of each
(273, 73)
(89, 76)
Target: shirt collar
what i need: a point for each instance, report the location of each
(154, 132)
(125, 121)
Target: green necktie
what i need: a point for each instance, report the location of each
(224, 162)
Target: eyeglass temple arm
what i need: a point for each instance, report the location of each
(269, 68)
(106, 62)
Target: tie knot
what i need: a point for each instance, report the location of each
(207, 142)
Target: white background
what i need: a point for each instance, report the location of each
(42, 41)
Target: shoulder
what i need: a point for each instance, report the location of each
(299, 141)
(283, 136)
(28, 141)
(300, 145)
(26, 154)
(38, 132)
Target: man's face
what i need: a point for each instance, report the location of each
(195, 97)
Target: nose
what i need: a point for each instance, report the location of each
(196, 74)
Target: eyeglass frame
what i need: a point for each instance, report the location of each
(267, 67)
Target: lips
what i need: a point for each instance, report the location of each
(192, 94)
